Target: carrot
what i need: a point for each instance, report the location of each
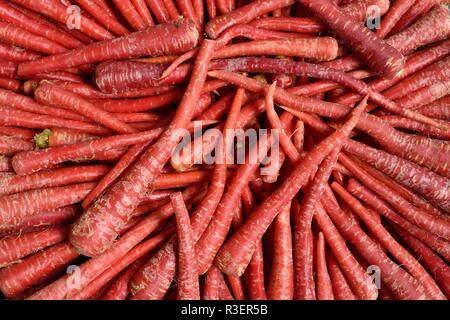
(388, 242)
(234, 260)
(61, 136)
(225, 6)
(341, 287)
(151, 163)
(435, 189)
(224, 291)
(393, 15)
(17, 36)
(408, 124)
(153, 41)
(108, 21)
(51, 94)
(12, 145)
(291, 24)
(199, 9)
(34, 269)
(324, 286)
(5, 164)
(143, 11)
(363, 193)
(237, 288)
(429, 259)
(401, 283)
(187, 10)
(435, 225)
(8, 69)
(243, 15)
(281, 283)
(402, 145)
(15, 248)
(211, 286)
(16, 54)
(160, 11)
(10, 84)
(377, 54)
(412, 14)
(57, 11)
(425, 95)
(14, 208)
(33, 161)
(319, 49)
(17, 132)
(188, 285)
(41, 219)
(438, 109)
(129, 12)
(11, 183)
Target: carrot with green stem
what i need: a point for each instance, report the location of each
(388, 242)
(153, 41)
(234, 260)
(187, 280)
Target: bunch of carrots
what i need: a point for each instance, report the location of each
(109, 111)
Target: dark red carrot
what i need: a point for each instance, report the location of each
(187, 10)
(319, 49)
(33, 270)
(5, 164)
(10, 183)
(17, 54)
(341, 287)
(160, 11)
(224, 291)
(377, 54)
(291, 24)
(142, 9)
(419, 8)
(153, 41)
(425, 95)
(108, 21)
(236, 253)
(12, 249)
(58, 11)
(143, 173)
(243, 15)
(394, 14)
(12, 145)
(324, 286)
(211, 286)
(389, 243)
(439, 109)
(19, 206)
(187, 280)
(33, 161)
(435, 265)
(411, 125)
(16, 36)
(129, 12)
(237, 287)
(51, 94)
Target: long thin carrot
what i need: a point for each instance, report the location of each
(324, 286)
(341, 288)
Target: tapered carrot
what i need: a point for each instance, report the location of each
(153, 41)
(425, 95)
(10, 84)
(188, 283)
(142, 9)
(16, 54)
(130, 14)
(211, 286)
(438, 109)
(14, 248)
(160, 11)
(341, 288)
(187, 10)
(61, 136)
(324, 286)
(411, 125)
(12, 145)
(17, 132)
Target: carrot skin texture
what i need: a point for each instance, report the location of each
(16, 54)
(148, 165)
(341, 288)
(13, 249)
(379, 56)
(188, 283)
(159, 10)
(153, 41)
(324, 286)
(211, 286)
(131, 15)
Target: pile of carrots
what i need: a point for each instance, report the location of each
(110, 110)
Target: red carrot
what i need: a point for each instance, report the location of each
(243, 15)
(324, 286)
(18, 132)
(143, 11)
(341, 288)
(12, 145)
(8, 69)
(211, 286)
(225, 6)
(15, 248)
(377, 54)
(395, 13)
(160, 11)
(153, 41)
(188, 285)
(291, 24)
(11, 183)
(411, 125)
(236, 253)
(172, 9)
(35, 269)
(16, 54)
(129, 12)
(438, 109)
(106, 20)
(425, 95)
(388, 242)
(199, 8)
(61, 136)
(19, 206)
(412, 14)
(33, 161)
(187, 10)
(58, 11)
(5, 164)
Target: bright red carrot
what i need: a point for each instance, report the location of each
(225, 6)
(153, 41)
(35, 269)
(142, 9)
(377, 54)
(388, 242)
(15, 248)
(243, 15)
(18, 132)
(341, 287)
(11, 183)
(33, 161)
(10, 84)
(8, 69)
(395, 13)
(172, 9)
(324, 286)
(188, 283)
(108, 21)
(17, 207)
(129, 12)
(187, 10)
(58, 11)
(425, 95)
(319, 49)
(411, 125)
(199, 8)
(12, 145)
(61, 136)
(419, 8)
(234, 260)
(429, 259)
(160, 10)
(16, 54)
(211, 286)
(291, 24)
